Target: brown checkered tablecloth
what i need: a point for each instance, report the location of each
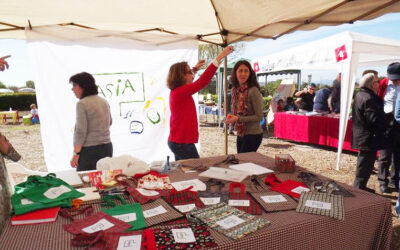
(367, 225)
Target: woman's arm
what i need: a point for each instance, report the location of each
(80, 132)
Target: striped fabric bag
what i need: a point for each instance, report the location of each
(321, 203)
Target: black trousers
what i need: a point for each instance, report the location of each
(183, 151)
(89, 156)
(365, 165)
(389, 156)
(248, 143)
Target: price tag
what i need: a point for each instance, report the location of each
(132, 242)
(300, 189)
(55, 192)
(210, 200)
(230, 222)
(154, 211)
(239, 203)
(147, 192)
(102, 224)
(183, 235)
(318, 204)
(273, 198)
(185, 208)
(126, 217)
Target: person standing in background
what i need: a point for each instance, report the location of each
(92, 140)
(246, 109)
(334, 98)
(368, 129)
(184, 132)
(306, 98)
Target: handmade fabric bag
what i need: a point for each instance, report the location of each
(228, 220)
(321, 203)
(95, 223)
(242, 200)
(272, 201)
(154, 181)
(143, 195)
(184, 200)
(42, 192)
(211, 197)
(159, 211)
(130, 240)
(129, 213)
(189, 236)
(290, 187)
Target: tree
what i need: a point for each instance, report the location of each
(2, 86)
(13, 88)
(209, 52)
(30, 84)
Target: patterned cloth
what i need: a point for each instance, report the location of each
(249, 205)
(220, 215)
(99, 221)
(142, 195)
(290, 187)
(320, 203)
(287, 204)
(183, 198)
(309, 178)
(154, 181)
(165, 238)
(154, 218)
(239, 107)
(113, 239)
(129, 213)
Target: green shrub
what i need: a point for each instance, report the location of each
(215, 98)
(17, 101)
(266, 102)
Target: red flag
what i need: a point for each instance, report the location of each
(341, 53)
(256, 67)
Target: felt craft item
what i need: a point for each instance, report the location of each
(290, 187)
(143, 195)
(242, 200)
(129, 213)
(188, 236)
(321, 203)
(184, 200)
(228, 220)
(130, 240)
(159, 211)
(70, 213)
(154, 181)
(95, 223)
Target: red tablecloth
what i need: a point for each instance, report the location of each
(320, 130)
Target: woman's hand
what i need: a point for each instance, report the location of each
(200, 64)
(226, 51)
(3, 63)
(231, 119)
(74, 161)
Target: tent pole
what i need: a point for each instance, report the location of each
(226, 102)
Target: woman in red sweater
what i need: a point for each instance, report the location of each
(184, 131)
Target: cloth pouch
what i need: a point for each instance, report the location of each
(129, 213)
(158, 212)
(211, 197)
(272, 201)
(143, 195)
(184, 200)
(130, 240)
(242, 200)
(321, 203)
(290, 187)
(154, 181)
(228, 220)
(189, 236)
(100, 221)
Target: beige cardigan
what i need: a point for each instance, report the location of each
(255, 114)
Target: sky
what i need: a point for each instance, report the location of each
(387, 26)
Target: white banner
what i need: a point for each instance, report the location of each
(131, 79)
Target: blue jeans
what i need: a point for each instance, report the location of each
(183, 151)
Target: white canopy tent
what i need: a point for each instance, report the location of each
(344, 52)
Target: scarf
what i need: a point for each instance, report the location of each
(239, 107)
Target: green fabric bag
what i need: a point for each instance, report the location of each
(22, 205)
(129, 213)
(48, 189)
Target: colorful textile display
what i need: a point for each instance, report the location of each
(242, 200)
(290, 187)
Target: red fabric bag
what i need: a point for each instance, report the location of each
(245, 198)
(113, 239)
(181, 198)
(142, 195)
(290, 187)
(97, 222)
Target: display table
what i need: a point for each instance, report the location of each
(319, 130)
(367, 223)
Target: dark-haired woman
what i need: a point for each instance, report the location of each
(184, 131)
(92, 128)
(246, 108)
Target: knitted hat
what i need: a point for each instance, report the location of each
(393, 71)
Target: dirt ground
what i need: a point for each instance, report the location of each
(27, 141)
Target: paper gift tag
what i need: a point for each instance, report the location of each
(183, 235)
(185, 208)
(273, 198)
(239, 203)
(230, 222)
(102, 224)
(318, 204)
(154, 211)
(25, 201)
(153, 184)
(197, 185)
(132, 242)
(55, 192)
(300, 189)
(210, 200)
(126, 217)
(147, 192)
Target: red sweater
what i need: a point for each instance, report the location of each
(183, 123)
